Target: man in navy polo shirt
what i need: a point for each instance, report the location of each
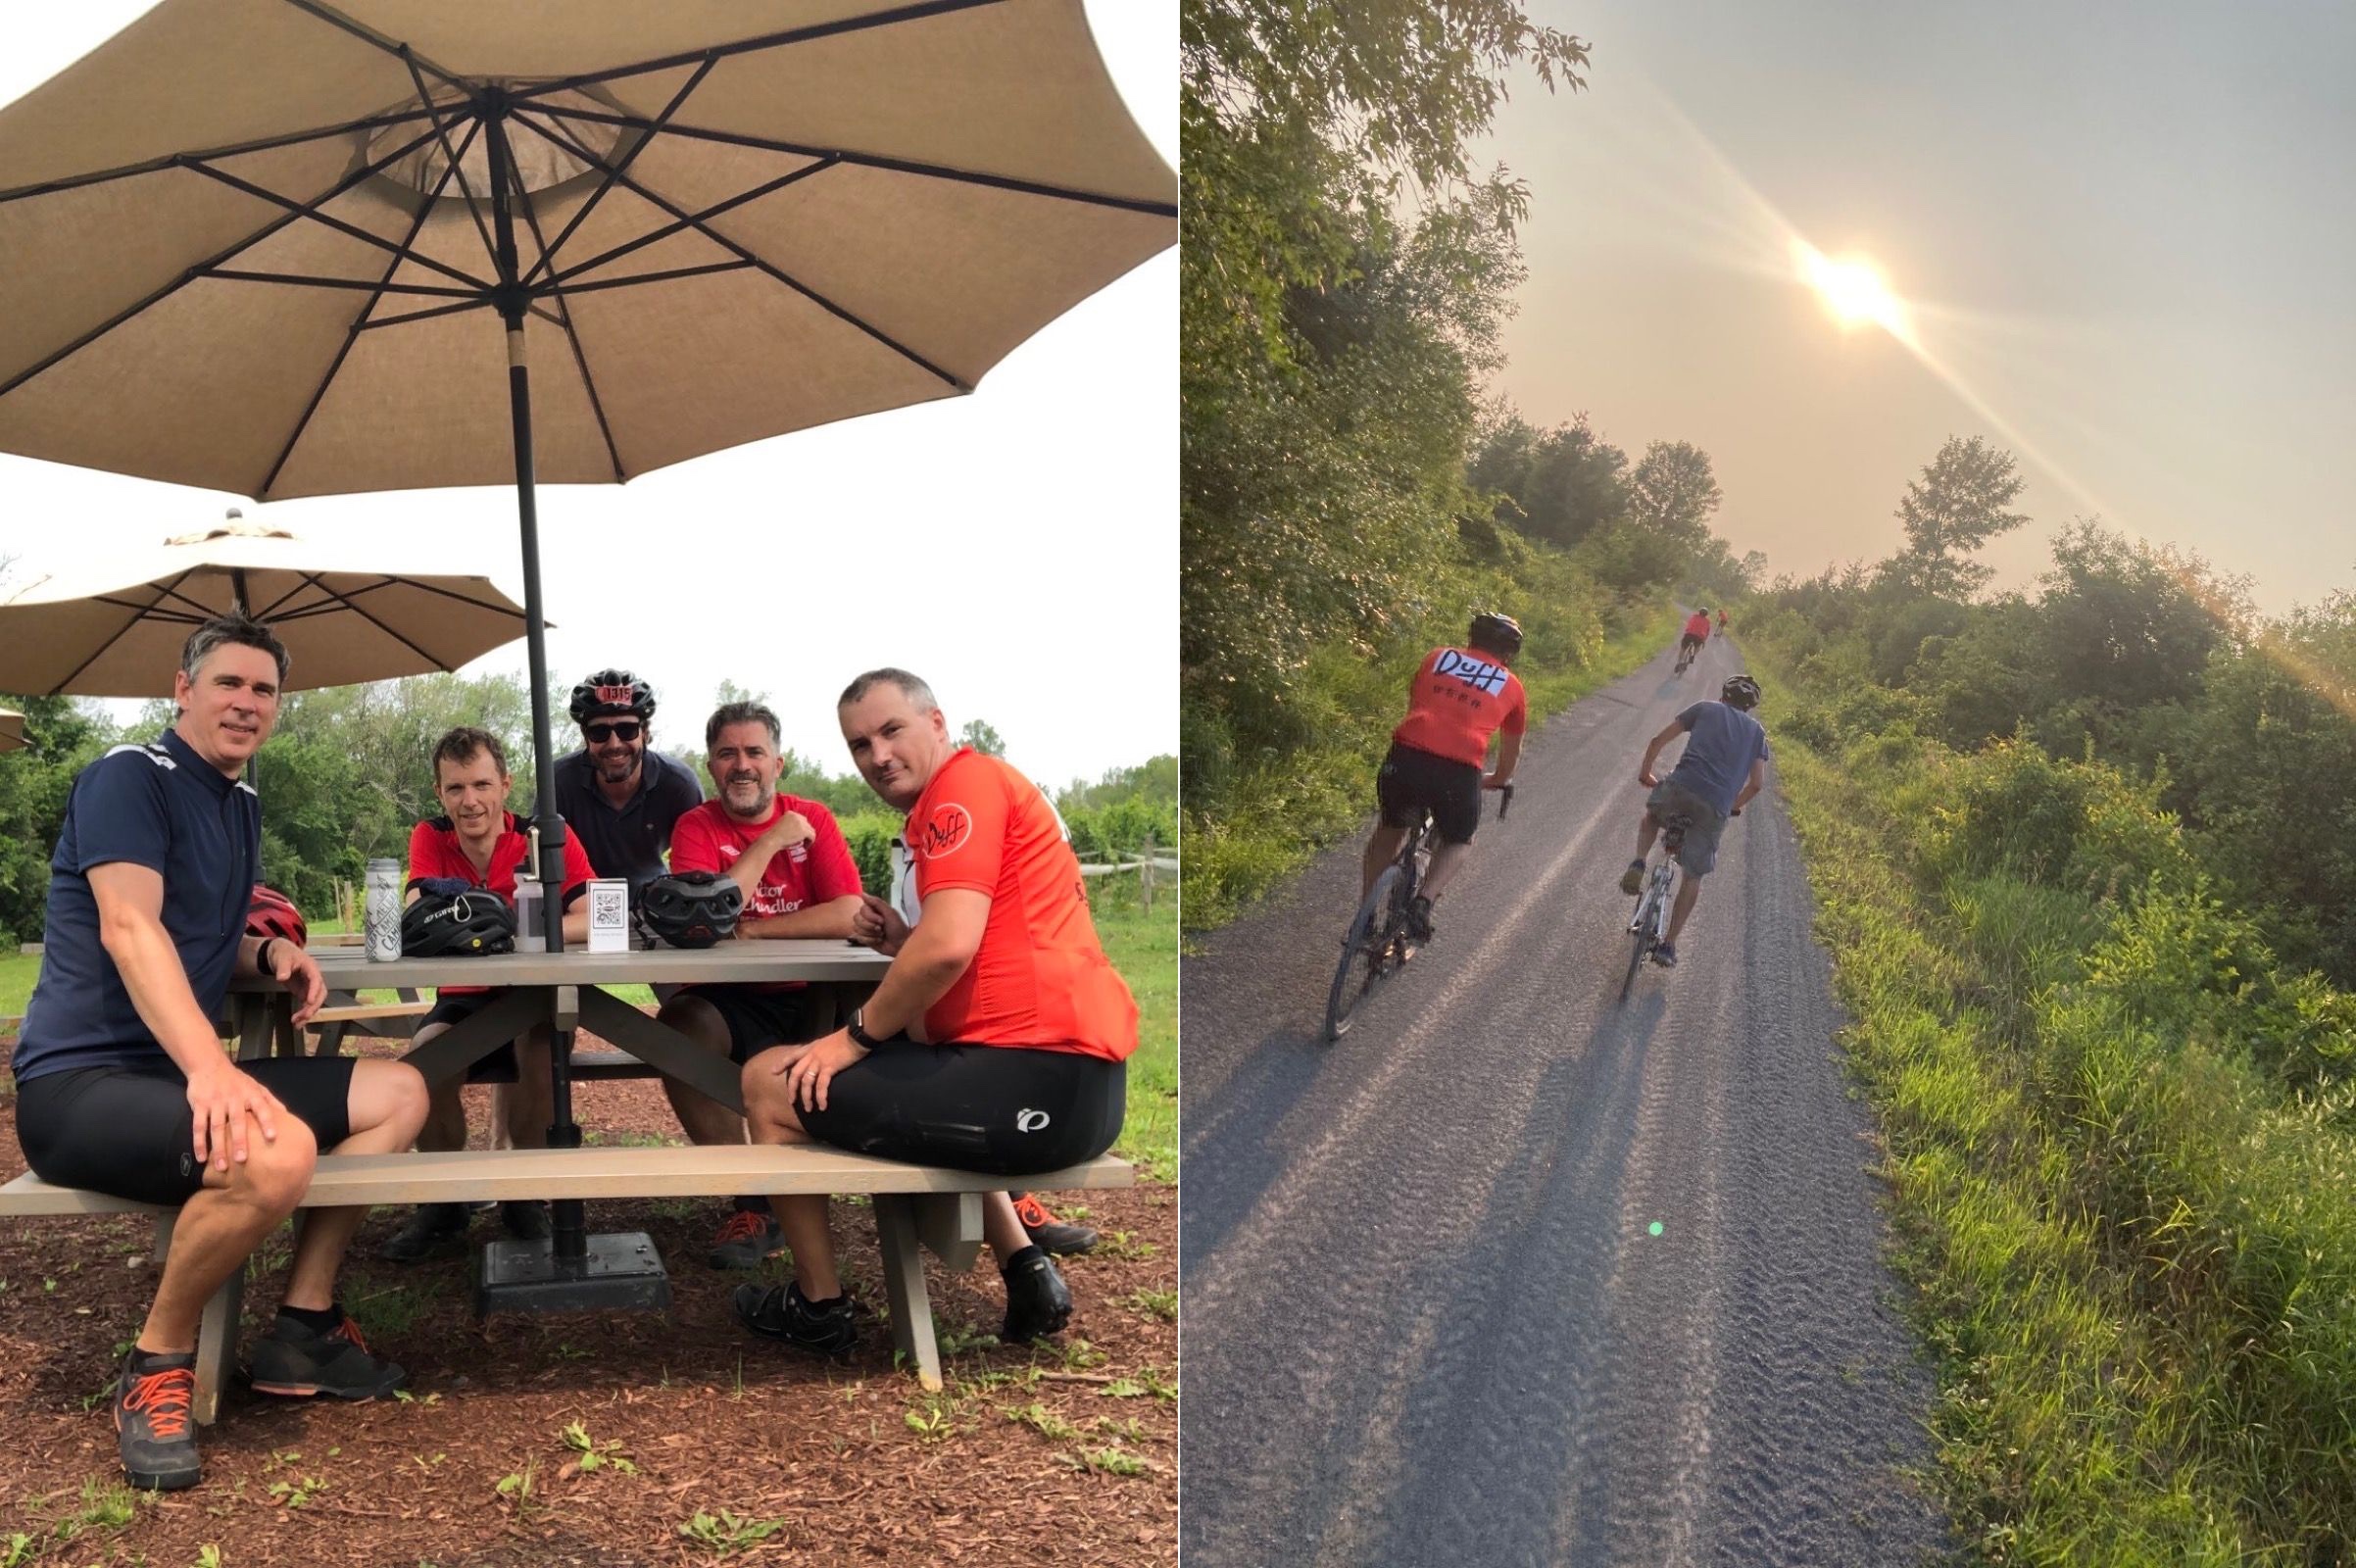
(121, 1083)
(618, 795)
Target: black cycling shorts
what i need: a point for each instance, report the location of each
(1688, 641)
(1411, 780)
(128, 1131)
(757, 1019)
(1005, 1110)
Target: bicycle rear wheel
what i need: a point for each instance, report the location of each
(1355, 975)
(1640, 942)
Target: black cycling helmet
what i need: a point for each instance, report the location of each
(690, 908)
(610, 692)
(1499, 634)
(1739, 691)
(469, 923)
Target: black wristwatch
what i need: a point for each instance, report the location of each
(859, 1031)
(262, 957)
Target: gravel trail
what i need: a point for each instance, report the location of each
(1425, 1320)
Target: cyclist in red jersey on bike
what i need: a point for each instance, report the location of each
(1459, 698)
(1698, 632)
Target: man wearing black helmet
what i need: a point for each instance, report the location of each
(1460, 697)
(618, 795)
(1725, 764)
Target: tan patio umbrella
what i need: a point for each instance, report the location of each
(284, 248)
(116, 629)
(12, 729)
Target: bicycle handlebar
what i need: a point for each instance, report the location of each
(1505, 801)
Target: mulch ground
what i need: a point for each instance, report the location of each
(735, 1446)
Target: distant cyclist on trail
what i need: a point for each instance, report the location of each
(1722, 620)
(1698, 632)
(1459, 698)
(1725, 764)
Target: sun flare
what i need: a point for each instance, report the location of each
(1851, 289)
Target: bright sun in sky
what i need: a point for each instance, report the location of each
(1850, 288)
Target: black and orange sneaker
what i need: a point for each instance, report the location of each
(1038, 1302)
(153, 1427)
(749, 1237)
(297, 1361)
(1056, 1237)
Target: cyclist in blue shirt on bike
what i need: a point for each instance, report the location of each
(1725, 764)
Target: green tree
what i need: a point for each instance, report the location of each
(1673, 492)
(62, 738)
(1957, 506)
(979, 735)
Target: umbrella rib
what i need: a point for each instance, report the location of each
(361, 611)
(580, 356)
(154, 166)
(897, 166)
(423, 585)
(408, 58)
(650, 237)
(765, 267)
(163, 590)
(377, 40)
(357, 322)
(774, 40)
(239, 276)
(548, 253)
(198, 271)
(310, 210)
(667, 276)
(373, 322)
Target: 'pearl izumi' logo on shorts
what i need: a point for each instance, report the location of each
(1029, 1121)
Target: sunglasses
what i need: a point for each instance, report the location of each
(626, 730)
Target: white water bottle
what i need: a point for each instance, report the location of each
(380, 911)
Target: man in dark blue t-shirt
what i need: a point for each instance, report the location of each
(1725, 764)
(618, 795)
(121, 1083)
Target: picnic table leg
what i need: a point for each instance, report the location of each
(904, 1286)
(217, 1345)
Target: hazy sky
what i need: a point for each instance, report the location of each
(1019, 546)
(2125, 232)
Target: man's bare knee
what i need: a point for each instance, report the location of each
(277, 1171)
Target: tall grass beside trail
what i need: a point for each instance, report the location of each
(1143, 944)
(1278, 810)
(2121, 1142)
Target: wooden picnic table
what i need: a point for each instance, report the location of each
(568, 989)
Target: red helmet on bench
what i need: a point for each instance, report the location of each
(274, 915)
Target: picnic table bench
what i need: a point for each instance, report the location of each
(915, 1205)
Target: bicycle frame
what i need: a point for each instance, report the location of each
(1650, 926)
(1378, 935)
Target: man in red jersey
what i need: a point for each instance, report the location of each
(1696, 632)
(482, 843)
(788, 857)
(1459, 698)
(995, 1042)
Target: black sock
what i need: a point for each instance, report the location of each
(1022, 1259)
(159, 1360)
(320, 1320)
(753, 1205)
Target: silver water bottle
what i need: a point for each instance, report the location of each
(380, 911)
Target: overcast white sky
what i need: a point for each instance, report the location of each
(1018, 548)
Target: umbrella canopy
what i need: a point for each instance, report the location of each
(116, 630)
(12, 729)
(252, 245)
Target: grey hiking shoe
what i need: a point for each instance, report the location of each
(296, 1361)
(783, 1312)
(1665, 955)
(1038, 1302)
(431, 1229)
(1419, 918)
(1633, 879)
(153, 1427)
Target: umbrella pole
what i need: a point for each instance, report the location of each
(576, 1271)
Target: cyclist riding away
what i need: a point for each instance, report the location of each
(1698, 632)
(1459, 698)
(1725, 764)
(1721, 620)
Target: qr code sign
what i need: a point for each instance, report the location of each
(609, 905)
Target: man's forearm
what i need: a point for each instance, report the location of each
(150, 965)
(920, 975)
(819, 920)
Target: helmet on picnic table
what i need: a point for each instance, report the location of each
(272, 914)
(689, 908)
(461, 923)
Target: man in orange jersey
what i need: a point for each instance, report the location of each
(1459, 698)
(995, 1042)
